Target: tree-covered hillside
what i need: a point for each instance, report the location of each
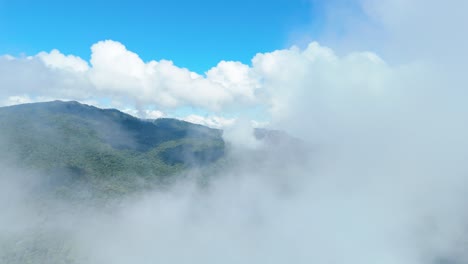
(71, 143)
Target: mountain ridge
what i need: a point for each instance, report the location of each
(73, 143)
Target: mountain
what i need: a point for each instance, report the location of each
(72, 143)
(60, 159)
(75, 148)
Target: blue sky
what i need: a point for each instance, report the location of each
(194, 34)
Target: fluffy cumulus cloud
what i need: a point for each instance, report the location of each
(45, 75)
(120, 75)
(116, 72)
(331, 89)
(336, 91)
(56, 60)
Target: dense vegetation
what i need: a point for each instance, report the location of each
(71, 144)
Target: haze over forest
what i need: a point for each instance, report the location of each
(268, 132)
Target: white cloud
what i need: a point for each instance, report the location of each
(332, 88)
(274, 79)
(7, 57)
(144, 114)
(153, 114)
(336, 89)
(57, 60)
(117, 70)
(210, 121)
(220, 122)
(117, 73)
(18, 99)
(32, 77)
(236, 77)
(241, 135)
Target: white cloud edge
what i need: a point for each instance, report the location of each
(275, 81)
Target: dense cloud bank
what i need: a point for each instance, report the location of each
(392, 197)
